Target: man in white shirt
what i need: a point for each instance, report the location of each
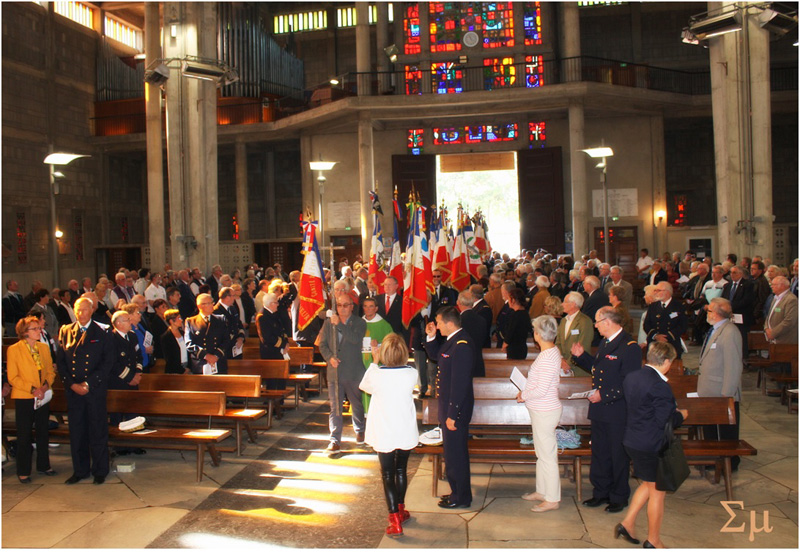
(154, 291)
(643, 264)
(143, 281)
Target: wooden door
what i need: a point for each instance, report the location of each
(541, 199)
(623, 248)
(410, 171)
(348, 246)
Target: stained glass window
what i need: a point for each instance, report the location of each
(679, 201)
(447, 78)
(415, 141)
(475, 134)
(124, 234)
(22, 238)
(534, 71)
(235, 222)
(445, 26)
(499, 73)
(498, 24)
(536, 133)
(411, 29)
(77, 224)
(532, 22)
(448, 135)
(413, 80)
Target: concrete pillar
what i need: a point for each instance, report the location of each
(366, 178)
(658, 177)
(155, 162)
(174, 48)
(242, 211)
(362, 48)
(581, 196)
(382, 36)
(569, 22)
(207, 129)
(271, 214)
(740, 101)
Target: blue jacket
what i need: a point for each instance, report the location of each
(456, 358)
(650, 404)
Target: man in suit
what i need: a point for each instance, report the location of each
(158, 326)
(530, 290)
(696, 301)
(442, 295)
(780, 325)
(617, 356)
(574, 328)
(84, 362)
(207, 338)
(604, 276)
(761, 287)
(665, 320)
(739, 291)
(615, 279)
(494, 297)
(74, 291)
(361, 281)
(214, 281)
(657, 273)
(120, 291)
(721, 368)
(188, 302)
(390, 306)
(30, 299)
(484, 311)
(226, 309)
(64, 312)
(475, 326)
(595, 299)
(13, 307)
(455, 356)
(42, 306)
(126, 371)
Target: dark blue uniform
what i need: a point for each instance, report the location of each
(233, 324)
(203, 338)
(670, 321)
(610, 464)
(455, 357)
(187, 305)
(127, 364)
(86, 357)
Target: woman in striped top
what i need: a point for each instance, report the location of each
(541, 398)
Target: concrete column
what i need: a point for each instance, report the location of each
(242, 211)
(581, 195)
(207, 127)
(569, 22)
(271, 214)
(382, 36)
(362, 48)
(658, 177)
(366, 178)
(155, 162)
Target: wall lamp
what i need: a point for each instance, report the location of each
(776, 22)
(715, 23)
(392, 52)
(219, 72)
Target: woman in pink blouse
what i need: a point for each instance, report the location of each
(541, 398)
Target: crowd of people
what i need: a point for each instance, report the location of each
(104, 335)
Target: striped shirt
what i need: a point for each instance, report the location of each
(541, 389)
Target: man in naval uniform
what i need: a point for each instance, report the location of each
(126, 372)
(665, 320)
(225, 308)
(617, 356)
(84, 361)
(456, 359)
(206, 338)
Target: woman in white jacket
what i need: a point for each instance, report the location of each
(392, 422)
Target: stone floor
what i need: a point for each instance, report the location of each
(133, 509)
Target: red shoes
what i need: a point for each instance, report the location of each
(404, 515)
(395, 528)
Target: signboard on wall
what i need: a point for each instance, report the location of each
(343, 215)
(622, 202)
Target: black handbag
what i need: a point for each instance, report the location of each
(672, 466)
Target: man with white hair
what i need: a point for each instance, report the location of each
(615, 279)
(595, 299)
(120, 291)
(665, 320)
(780, 325)
(206, 339)
(226, 308)
(604, 275)
(574, 327)
(214, 282)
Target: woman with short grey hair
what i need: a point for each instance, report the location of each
(541, 399)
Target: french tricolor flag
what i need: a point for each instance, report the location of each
(419, 277)
(311, 293)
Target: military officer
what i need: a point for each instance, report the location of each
(617, 356)
(126, 372)
(456, 359)
(84, 362)
(206, 338)
(225, 308)
(665, 320)
(273, 338)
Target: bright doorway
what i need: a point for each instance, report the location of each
(485, 182)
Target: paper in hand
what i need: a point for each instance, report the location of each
(517, 379)
(237, 350)
(208, 368)
(581, 395)
(48, 395)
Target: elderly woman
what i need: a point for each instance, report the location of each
(392, 423)
(650, 405)
(554, 307)
(31, 374)
(138, 328)
(615, 295)
(517, 328)
(542, 293)
(541, 398)
(173, 345)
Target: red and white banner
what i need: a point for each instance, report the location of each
(419, 277)
(312, 289)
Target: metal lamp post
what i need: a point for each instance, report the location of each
(602, 153)
(321, 166)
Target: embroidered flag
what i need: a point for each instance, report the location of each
(376, 263)
(311, 292)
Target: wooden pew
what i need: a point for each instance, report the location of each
(267, 369)
(234, 386)
(779, 353)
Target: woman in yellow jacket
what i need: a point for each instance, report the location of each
(31, 374)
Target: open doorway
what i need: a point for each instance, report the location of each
(486, 182)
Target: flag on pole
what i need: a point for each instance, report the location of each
(396, 261)
(481, 242)
(440, 255)
(473, 255)
(311, 292)
(376, 264)
(459, 277)
(419, 277)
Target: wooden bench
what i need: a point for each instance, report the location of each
(156, 403)
(779, 353)
(234, 386)
(298, 356)
(267, 369)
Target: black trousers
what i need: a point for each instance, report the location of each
(395, 479)
(725, 432)
(610, 464)
(88, 432)
(27, 420)
(456, 458)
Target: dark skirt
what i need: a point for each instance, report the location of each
(645, 463)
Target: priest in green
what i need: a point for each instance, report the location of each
(377, 329)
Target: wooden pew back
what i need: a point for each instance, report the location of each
(247, 386)
(265, 368)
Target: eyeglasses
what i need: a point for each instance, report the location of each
(600, 321)
(34, 329)
(344, 305)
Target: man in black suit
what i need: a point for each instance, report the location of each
(617, 356)
(443, 295)
(390, 306)
(361, 281)
(595, 299)
(13, 307)
(158, 326)
(74, 291)
(739, 291)
(207, 338)
(657, 274)
(696, 301)
(475, 326)
(761, 287)
(64, 312)
(483, 310)
(227, 310)
(665, 320)
(187, 303)
(214, 281)
(455, 357)
(84, 362)
(126, 372)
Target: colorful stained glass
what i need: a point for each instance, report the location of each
(445, 26)
(499, 73)
(532, 22)
(411, 29)
(679, 211)
(447, 78)
(536, 134)
(475, 134)
(77, 224)
(124, 230)
(22, 238)
(498, 24)
(534, 71)
(415, 141)
(413, 80)
(235, 222)
(448, 135)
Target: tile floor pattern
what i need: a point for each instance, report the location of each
(132, 510)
